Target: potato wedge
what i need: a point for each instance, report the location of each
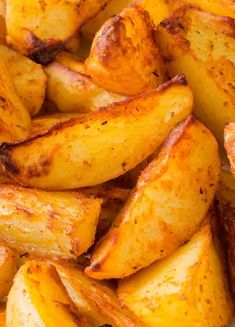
(8, 269)
(72, 91)
(124, 57)
(14, 117)
(189, 288)
(101, 145)
(217, 7)
(28, 78)
(95, 300)
(229, 137)
(58, 224)
(197, 41)
(171, 199)
(40, 29)
(38, 298)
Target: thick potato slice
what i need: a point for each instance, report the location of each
(14, 117)
(72, 91)
(28, 78)
(171, 199)
(39, 299)
(189, 288)
(124, 57)
(101, 145)
(229, 137)
(58, 224)
(197, 41)
(8, 269)
(40, 29)
(95, 300)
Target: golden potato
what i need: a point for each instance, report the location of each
(40, 29)
(189, 288)
(95, 300)
(8, 269)
(202, 46)
(101, 145)
(124, 57)
(58, 224)
(38, 298)
(28, 78)
(14, 118)
(72, 91)
(171, 199)
(229, 137)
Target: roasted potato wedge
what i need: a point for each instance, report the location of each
(124, 57)
(229, 137)
(8, 269)
(171, 199)
(189, 288)
(38, 298)
(28, 78)
(101, 145)
(202, 46)
(95, 300)
(14, 117)
(58, 224)
(72, 91)
(40, 29)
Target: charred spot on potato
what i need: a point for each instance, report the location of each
(7, 162)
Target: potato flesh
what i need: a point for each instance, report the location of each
(229, 136)
(61, 225)
(8, 268)
(189, 288)
(160, 214)
(102, 145)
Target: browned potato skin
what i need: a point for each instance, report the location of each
(55, 225)
(160, 203)
(124, 57)
(54, 160)
(229, 143)
(8, 269)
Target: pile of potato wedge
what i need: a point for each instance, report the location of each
(117, 163)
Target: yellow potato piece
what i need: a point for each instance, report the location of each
(8, 268)
(202, 46)
(229, 137)
(189, 288)
(72, 91)
(171, 199)
(38, 299)
(95, 300)
(101, 145)
(124, 57)
(28, 78)
(58, 224)
(14, 118)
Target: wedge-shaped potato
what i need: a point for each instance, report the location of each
(40, 29)
(217, 7)
(197, 41)
(28, 78)
(229, 137)
(124, 57)
(58, 224)
(8, 269)
(171, 199)
(14, 117)
(38, 298)
(101, 145)
(95, 300)
(72, 91)
(189, 288)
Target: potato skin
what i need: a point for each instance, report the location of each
(101, 145)
(194, 40)
(188, 288)
(61, 225)
(229, 143)
(124, 57)
(171, 199)
(8, 269)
